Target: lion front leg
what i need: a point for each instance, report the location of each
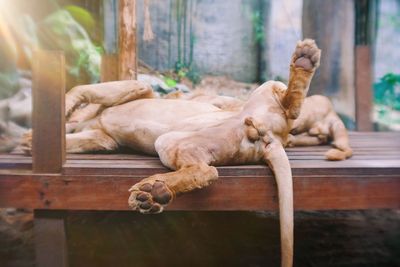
(184, 152)
(154, 193)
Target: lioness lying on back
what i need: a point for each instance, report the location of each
(318, 123)
(192, 137)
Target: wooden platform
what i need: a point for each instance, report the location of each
(370, 179)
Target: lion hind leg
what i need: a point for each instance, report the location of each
(305, 139)
(305, 61)
(88, 141)
(341, 148)
(81, 142)
(106, 94)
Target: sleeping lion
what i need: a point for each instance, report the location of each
(192, 136)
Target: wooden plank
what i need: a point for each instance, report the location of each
(48, 123)
(238, 171)
(304, 165)
(126, 167)
(228, 193)
(50, 239)
(292, 154)
(127, 59)
(363, 79)
(380, 166)
(109, 68)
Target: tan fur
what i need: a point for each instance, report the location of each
(192, 137)
(106, 94)
(316, 124)
(299, 77)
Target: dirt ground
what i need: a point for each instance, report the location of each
(357, 238)
(223, 85)
(16, 238)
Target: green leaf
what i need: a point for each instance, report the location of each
(170, 82)
(82, 16)
(61, 31)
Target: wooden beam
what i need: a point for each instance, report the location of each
(110, 192)
(50, 239)
(127, 60)
(48, 115)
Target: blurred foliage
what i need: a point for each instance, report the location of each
(180, 72)
(27, 30)
(387, 91)
(83, 17)
(258, 26)
(184, 67)
(64, 29)
(193, 75)
(391, 20)
(8, 84)
(387, 102)
(394, 20)
(187, 71)
(60, 31)
(170, 82)
(88, 21)
(8, 49)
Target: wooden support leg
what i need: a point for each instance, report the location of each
(50, 239)
(365, 31)
(364, 76)
(48, 119)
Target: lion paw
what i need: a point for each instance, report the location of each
(290, 141)
(307, 55)
(150, 196)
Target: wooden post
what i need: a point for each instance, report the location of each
(109, 68)
(365, 35)
(363, 80)
(50, 239)
(48, 115)
(333, 30)
(127, 60)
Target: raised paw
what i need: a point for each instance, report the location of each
(150, 196)
(307, 55)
